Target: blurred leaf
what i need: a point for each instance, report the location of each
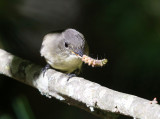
(22, 108)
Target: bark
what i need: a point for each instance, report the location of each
(90, 96)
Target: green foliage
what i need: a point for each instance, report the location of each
(22, 108)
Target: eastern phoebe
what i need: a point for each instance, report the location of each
(62, 50)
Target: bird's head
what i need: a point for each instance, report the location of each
(74, 42)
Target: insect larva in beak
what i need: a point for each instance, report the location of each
(93, 62)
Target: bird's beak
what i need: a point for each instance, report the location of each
(78, 53)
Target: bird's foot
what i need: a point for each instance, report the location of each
(70, 76)
(45, 69)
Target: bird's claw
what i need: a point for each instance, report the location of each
(45, 69)
(70, 76)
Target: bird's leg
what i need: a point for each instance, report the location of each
(45, 69)
(70, 75)
(73, 74)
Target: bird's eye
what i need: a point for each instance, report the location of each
(66, 45)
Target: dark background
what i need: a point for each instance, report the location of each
(126, 32)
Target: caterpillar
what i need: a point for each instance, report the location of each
(93, 62)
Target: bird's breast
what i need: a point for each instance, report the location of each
(66, 63)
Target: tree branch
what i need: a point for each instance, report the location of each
(79, 92)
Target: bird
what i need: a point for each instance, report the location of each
(62, 50)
